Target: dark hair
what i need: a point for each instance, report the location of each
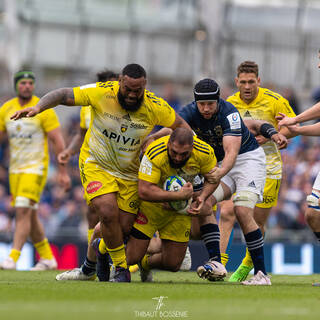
(206, 89)
(134, 71)
(182, 136)
(106, 75)
(248, 67)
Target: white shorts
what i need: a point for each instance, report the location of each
(248, 173)
(316, 184)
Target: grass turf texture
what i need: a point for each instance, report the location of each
(37, 295)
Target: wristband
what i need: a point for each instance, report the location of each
(267, 130)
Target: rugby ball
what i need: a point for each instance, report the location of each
(174, 183)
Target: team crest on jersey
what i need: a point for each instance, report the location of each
(218, 131)
(94, 186)
(124, 128)
(18, 127)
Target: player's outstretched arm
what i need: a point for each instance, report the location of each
(309, 114)
(63, 96)
(310, 130)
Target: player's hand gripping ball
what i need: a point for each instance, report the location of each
(175, 183)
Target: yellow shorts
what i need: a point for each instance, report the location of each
(270, 193)
(27, 185)
(97, 182)
(171, 226)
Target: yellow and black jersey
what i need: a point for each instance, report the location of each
(155, 167)
(265, 106)
(115, 134)
(85, 117)
(27, 137)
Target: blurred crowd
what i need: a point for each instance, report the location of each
(64, 214)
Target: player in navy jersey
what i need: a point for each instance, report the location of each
(242, 171)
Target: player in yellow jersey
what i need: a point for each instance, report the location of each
(180, 154)
(74, 148)
(29, 159)
(123, 114)
(254, 102)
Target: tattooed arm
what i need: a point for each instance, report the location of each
(63, 96)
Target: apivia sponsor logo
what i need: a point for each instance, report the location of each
(120, 138)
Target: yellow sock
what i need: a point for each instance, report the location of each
(224, 258)
(102, 247)
(247, 261)
(89, 234)
(118, 256)
(44, 250)
(133, 268)
(15, 254)
(144, 262)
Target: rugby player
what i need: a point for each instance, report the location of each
(180, 154)
(29, 160)
(255, 102)
(241, 170)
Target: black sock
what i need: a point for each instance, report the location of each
(254, 242)
(89, 267)
(317, 234)
(210, 235)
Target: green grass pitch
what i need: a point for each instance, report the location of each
(37, 295)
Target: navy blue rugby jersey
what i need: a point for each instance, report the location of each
(226, 122)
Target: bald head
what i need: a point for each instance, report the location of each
(182, 136)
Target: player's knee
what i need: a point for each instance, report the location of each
(207, 209)
(108, 217)
(227, 215)
(92, 217)
(171, 266)
(245, 199)
(126, 229)
(172, 263)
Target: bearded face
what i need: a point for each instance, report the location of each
(178, 154)
(131, 92)
(129, 105)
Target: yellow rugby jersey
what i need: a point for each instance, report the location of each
(85, 117)
(155, 167)
(265, 106)
(27, 137)
(115, 134)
